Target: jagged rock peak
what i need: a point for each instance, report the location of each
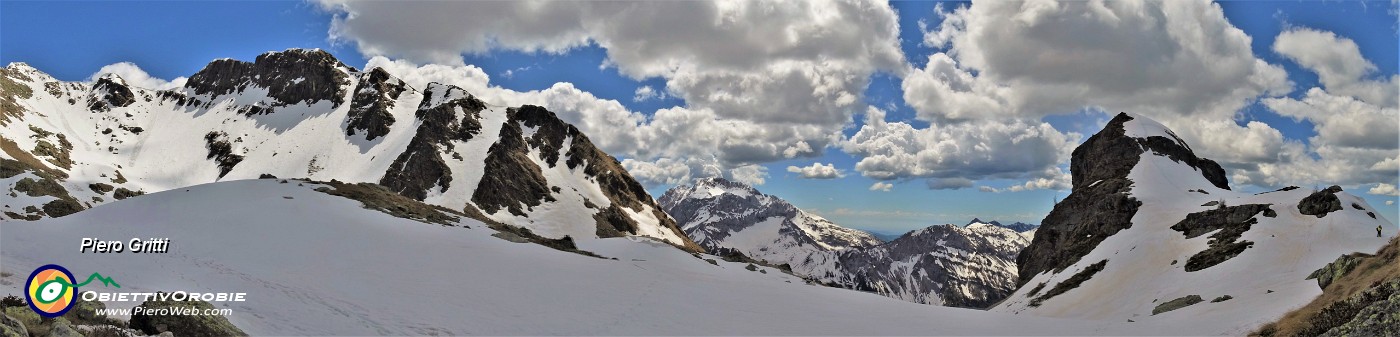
(979, 220)
(715, 186)
(293, 76)
(435, 94)
(111, 89)
(1112, 153)
(369, 109)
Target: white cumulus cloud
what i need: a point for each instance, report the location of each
(762, 80)
(1384, 189)
(881, 186)
(957, 152)
(817, 171)
(135, 76)
(1355, 115)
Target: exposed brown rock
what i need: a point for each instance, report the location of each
(369, 109)
(294, 76)
(420, 167)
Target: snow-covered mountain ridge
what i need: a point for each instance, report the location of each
(69, 146)
(1150, 232)
(970, 266)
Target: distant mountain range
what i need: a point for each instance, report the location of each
(1016, 226)
(971, 266)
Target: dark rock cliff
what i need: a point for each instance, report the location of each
(369, 109)
(1099, 205)
(512, 180)
(420, 167)
(294, 76)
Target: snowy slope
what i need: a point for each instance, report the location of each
(317, 264)
(303, 114)
(1147, 262)
(972, 266)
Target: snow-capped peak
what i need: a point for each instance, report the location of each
(944, 265)
(1148, 222)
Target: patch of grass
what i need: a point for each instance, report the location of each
(1338, 301)
(58, 155)
(23, 161)
(11, 92)
(1222, 299)
(376, 197)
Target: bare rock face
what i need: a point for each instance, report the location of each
(1097, 207)
(1099, 204)
(1228, 223)
(221, 151)
(110, 91)
(294, 76)
(369, 109)
(420, 167)
(513, 181)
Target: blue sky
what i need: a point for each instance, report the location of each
(173, 39)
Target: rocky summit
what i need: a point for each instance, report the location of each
(1151, 230)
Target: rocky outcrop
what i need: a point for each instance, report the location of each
(221, 151)
(369, 109)
(513, 180)
(1360, 297)
(1373, 312)
(11, 327)
(420, 167)
(294, 76)
(1228, 223)
(1178, 303)
(1071, 283)
(1099, 204)
(1097, 207)
(110, 91)
(1337, 269)
(1321, 202)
